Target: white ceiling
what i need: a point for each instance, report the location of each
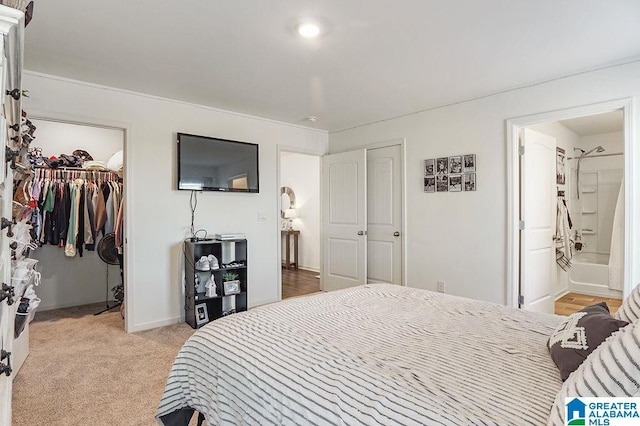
(379, 59)
(596, 124)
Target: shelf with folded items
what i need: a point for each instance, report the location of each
(207, 261)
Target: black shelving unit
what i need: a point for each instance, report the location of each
(226, 252)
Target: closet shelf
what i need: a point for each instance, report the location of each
(589, 212)
(588, 191)
(588, 232)
(203, 296)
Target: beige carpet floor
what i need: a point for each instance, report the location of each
(85, 370)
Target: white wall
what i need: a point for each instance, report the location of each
(72, 281)
(158, 215)
(301, 173)
(566, 139)
(57, 138)
(462, 238)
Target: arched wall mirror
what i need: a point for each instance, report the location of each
(287, 200)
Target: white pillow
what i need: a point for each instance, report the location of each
(116, 161)
(612, 370)
(630, 309)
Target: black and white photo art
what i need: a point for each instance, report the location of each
(470, 182)
(455, 164)
(442, 166)
(202, 315)
(455, 183)
(442, 183)
(429, 167)
(456, 173)
(430, 184)
(469, 165)
(560, 169)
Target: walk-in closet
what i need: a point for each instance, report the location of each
(78, 185)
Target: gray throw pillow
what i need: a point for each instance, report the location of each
(579, 335)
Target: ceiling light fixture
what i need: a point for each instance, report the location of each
(308, 29)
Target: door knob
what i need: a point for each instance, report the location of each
(360, 232)
(396, 234)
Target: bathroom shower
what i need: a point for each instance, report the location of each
(583, 154)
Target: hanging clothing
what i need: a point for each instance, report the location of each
(101, 210)
(119, 230)
(72, 207)
(563, 235)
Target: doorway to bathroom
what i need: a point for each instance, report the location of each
(568, 245)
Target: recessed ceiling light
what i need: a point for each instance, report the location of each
(312, 118)
(308, 29)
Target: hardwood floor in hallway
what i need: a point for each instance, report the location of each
(298, 282)
(573, 302)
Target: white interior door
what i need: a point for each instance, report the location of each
(7, 313)
(344, 220)
(12, 30)
(384, 215)
(537, 211)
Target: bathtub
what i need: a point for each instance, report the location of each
(589, 274)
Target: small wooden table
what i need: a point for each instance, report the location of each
(287, 233)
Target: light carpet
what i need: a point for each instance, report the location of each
(84, 369)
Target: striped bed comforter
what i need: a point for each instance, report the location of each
(375, 354)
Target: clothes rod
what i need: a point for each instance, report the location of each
(596, 155)
(79, 169)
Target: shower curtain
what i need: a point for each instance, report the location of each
(616, 257)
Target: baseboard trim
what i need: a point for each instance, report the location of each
(42, 308)
(154, 324)
(562, 293)
(257, 303)
(594, 290)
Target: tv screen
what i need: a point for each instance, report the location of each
(212, 164)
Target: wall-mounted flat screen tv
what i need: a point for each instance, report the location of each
(213, 164)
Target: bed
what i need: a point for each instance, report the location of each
(374, 354)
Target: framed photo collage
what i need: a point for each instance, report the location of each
(450, 174)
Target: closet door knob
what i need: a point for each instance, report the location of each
(360, 232)
(396, 234)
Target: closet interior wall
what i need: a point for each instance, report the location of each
(72, 281)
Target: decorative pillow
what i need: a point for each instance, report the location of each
(612, 370)
(630, 309)
(579, 335)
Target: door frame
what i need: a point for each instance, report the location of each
(280, 148)
(403, 192)
(631, 174)
(127, 129)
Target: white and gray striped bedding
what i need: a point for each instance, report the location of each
(611, 370)
(630, 309)
(375, 354)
